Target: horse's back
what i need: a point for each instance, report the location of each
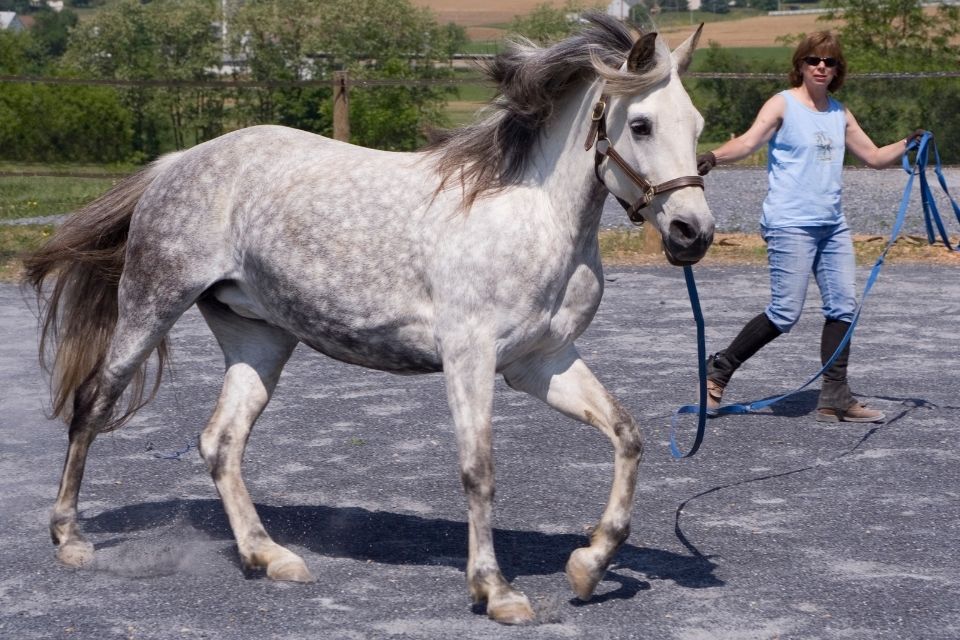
(324, 239)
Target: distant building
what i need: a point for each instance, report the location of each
(10, 21)
(621, 8)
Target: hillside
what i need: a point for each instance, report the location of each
(484, 19)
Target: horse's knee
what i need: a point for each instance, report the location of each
(629, 440)
(477, 480)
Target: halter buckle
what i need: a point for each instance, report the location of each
(633, 213)
(598, 110)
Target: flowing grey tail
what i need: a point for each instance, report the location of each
(78, 312)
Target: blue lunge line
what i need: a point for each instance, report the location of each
(931, 217)
(699, 409)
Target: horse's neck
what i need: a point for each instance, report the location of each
(564, 168)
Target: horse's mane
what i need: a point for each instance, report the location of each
(494, 152)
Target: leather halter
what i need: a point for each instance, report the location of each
(604, 149)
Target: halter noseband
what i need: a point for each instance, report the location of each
(604, 149)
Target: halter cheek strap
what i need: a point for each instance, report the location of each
(597, 137)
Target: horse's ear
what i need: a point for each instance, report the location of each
(643, 55)
(683, 54)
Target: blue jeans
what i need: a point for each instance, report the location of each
(796, 252)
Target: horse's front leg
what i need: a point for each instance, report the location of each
(564, 382)
(469, 373)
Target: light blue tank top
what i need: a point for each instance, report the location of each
(804, 167)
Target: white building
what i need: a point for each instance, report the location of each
(621, 8)
(10, 20)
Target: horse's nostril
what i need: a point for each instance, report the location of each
(682, 232)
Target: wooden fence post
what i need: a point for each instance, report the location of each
(341, 107)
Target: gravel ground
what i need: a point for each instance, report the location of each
(781, 527)
(871, 200)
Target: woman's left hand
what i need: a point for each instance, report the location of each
(915, 136)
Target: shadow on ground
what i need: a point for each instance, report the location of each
(403, 539)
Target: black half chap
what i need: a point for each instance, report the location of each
(835, 392)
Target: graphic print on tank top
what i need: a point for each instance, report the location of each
(824, 147)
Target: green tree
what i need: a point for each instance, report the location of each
(14, 57)
(903, 36)
(50, 32)
(276, 43)
(729, 106)
(19, 6)
(548, 23)
(168, 41)
(892, 35)
(291, 40)
(454, 39)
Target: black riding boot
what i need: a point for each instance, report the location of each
(754, 336)
(835, 392)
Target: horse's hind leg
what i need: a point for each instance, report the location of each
(254, 353)
(137, 333)
(469, 373)
(565, 383)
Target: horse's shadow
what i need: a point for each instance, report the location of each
(403, 539)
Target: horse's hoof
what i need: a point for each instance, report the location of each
(515, 610)
(584, 572)
(75, 553)
(289, 570)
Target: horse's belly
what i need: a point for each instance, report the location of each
(399, 342)
(374, 350)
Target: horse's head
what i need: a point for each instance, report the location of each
(648, 159)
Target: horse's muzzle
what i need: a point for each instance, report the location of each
(687, 239)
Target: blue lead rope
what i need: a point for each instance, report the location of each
(931, 217)
(701, 408)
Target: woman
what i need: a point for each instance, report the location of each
(807, 132)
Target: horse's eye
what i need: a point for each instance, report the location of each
(641, 127)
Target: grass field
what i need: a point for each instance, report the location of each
(28, 197)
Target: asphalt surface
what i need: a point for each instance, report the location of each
(781, 527)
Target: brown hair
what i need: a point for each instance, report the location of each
(821, 43)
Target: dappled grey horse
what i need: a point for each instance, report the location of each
(475, 256)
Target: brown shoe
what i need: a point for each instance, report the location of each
(714, 396)
(857, 412)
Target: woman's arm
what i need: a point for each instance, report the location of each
(768, 120)
(860, 145)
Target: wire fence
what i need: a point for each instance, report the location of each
(406, 82)
(730, 89)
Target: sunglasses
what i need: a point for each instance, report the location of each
(813, 61)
